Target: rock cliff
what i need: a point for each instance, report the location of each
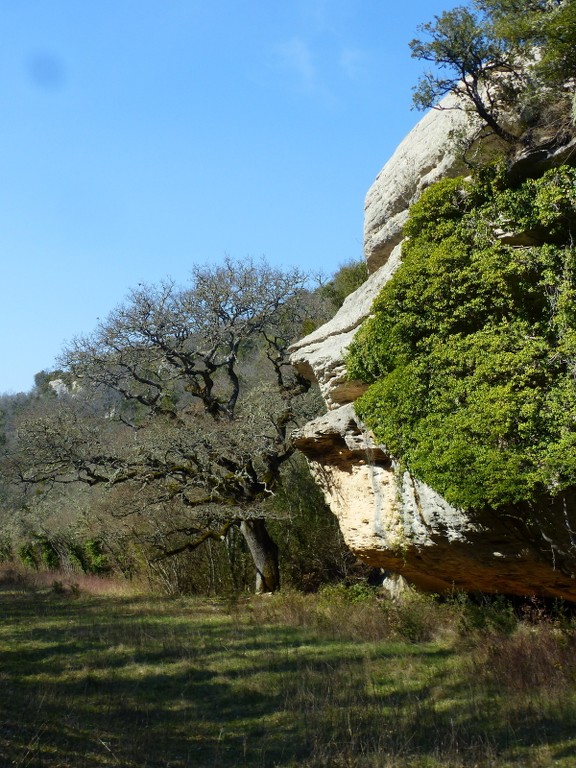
(390, 519)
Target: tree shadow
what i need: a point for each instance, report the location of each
(100, 682)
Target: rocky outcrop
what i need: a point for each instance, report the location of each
(390, 519)
(320, 356)
(431, 151)
(427, 154)
(398, 523)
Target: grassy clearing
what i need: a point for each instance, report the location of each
(339, 680)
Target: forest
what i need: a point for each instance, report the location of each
(162, 449)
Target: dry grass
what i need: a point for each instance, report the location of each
(360, 613)
(339, 680)
(534, 659)
(73, 583)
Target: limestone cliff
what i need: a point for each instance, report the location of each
(389, 519)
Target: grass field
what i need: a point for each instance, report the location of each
(119, 679)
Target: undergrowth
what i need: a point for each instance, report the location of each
(73, 583)
(343, 679)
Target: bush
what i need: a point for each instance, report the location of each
(423, 618)
(471, 349)
(533, 659)
(27, 556)
(347, 279)
(96, 559)
(335, 613)
(359, 612)
(490, 615)
(48, 554)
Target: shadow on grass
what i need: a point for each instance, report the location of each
(113, 682)
(157, 683)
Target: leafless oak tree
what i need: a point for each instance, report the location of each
(185, 394)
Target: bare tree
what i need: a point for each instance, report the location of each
(196, 402)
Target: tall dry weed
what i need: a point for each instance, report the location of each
(534, 659)
(359, 612)
(63, 582)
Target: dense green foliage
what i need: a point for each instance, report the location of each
(346, 280)
(471, 353)
(550, 25)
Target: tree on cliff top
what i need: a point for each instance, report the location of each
(196, 402)
(485, 55)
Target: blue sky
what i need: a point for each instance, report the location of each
(138, 137)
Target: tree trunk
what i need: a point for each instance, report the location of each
(264, 553)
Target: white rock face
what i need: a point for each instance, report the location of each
(375, 514)
(390, 520)
(424, 156)
(320, 355)
(379, 512)
(427, 154)
(58, 387)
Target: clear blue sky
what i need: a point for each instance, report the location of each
(138, 137)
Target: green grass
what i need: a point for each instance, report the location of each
(95, 680)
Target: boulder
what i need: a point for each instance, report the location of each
(320, 355)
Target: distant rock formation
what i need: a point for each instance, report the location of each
(392, 520)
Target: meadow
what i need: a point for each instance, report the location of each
(96, 673)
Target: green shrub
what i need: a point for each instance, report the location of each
(492, 615)
(353, 594)
(6, 551)
(96, 560)
(348, 278)
(27, 556)
(48, 554)
(471, 352)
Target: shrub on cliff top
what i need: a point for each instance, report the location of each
(471, 352)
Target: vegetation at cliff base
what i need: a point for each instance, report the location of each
(471, 353)
(97, 675)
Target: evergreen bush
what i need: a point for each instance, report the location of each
(471, 352)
